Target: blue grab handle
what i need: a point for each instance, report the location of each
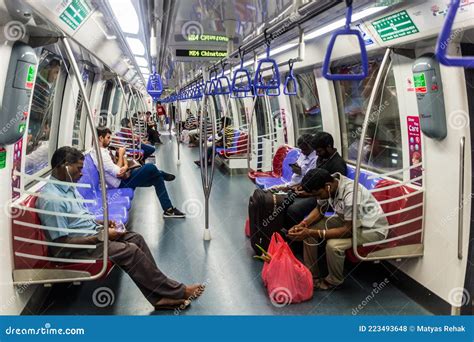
(244, 74)
(363, 53)
(444, 39)
(274, 83)
(223, 86)
(290, 79)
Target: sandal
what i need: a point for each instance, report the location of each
(323, 285)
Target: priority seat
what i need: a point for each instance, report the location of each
(277, 165)
(267, 182)
(239, 146)
(29, 255)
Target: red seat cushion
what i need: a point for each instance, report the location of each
(277, 165)
(396, 218)
(40, 250)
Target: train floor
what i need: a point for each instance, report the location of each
(224, 264)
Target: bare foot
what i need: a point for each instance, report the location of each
(193, 292)
(172, 304)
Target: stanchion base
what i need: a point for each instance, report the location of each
(207, 235)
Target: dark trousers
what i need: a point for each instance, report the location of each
(149, 175)
(148, 150)
(153, 136)
(299, 210)
(131, 253)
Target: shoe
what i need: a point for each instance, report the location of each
(168, 176)
(173, 213)
(198, 163)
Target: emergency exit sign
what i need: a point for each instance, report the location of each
(395, 26)
(75, 13)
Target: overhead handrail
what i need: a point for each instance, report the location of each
(290, 80)
(445, 37)
(210, 85)
(346, 31)
(274, 82)
(240, 90)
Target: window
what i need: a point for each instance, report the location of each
(41, 113)
(217, 106)
(80, 119)
(305, 105)
(382, 145)
(241, 112)
(104, 106)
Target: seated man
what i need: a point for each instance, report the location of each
(190, 124)
(306, 161)
(223, 138)
(126, 131)
(117, 175)
(126, 249)
(328, 159)
(337, 191)
(152, 133)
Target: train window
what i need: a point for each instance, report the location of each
(383, 146)
(80, 117)
(305, 106)
(41, 113)
(217, 106)
(241, 112)
(104, 106)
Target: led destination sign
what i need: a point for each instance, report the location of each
(206, 38)
(201, 53)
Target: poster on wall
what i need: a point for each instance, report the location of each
(414, 145)
(16, 180)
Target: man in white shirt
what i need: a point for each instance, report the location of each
(336, 191)
(306, 161)
(117, 174)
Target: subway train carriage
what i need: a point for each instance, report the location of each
(244, 157)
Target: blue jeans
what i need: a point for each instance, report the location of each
(148, 150)
(149, 175)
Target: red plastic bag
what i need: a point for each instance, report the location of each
(247, 228)
(287, 280)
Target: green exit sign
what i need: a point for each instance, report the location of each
(395, 26)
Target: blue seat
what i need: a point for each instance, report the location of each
(287, 173)
(119, 200)
(233, 148)
(366, 178)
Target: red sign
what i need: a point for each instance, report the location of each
(420, 90)
(414, 145)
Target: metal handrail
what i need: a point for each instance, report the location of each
(207, 175)
(128, 115)
(375, 89)
(462, 151)
(76, 72)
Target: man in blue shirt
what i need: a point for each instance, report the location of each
(126, 249)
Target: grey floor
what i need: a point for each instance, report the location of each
(225, 264)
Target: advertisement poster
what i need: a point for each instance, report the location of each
(414, 144)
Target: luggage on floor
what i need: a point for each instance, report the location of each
(267, 212)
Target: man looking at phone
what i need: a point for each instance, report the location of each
(70, 223)
(306, 161)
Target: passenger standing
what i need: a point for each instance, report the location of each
(161, 112)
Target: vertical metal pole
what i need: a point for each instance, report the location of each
(373, 95)
(462, 152)
(178, 134)
(127, 106)
(95, 140)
